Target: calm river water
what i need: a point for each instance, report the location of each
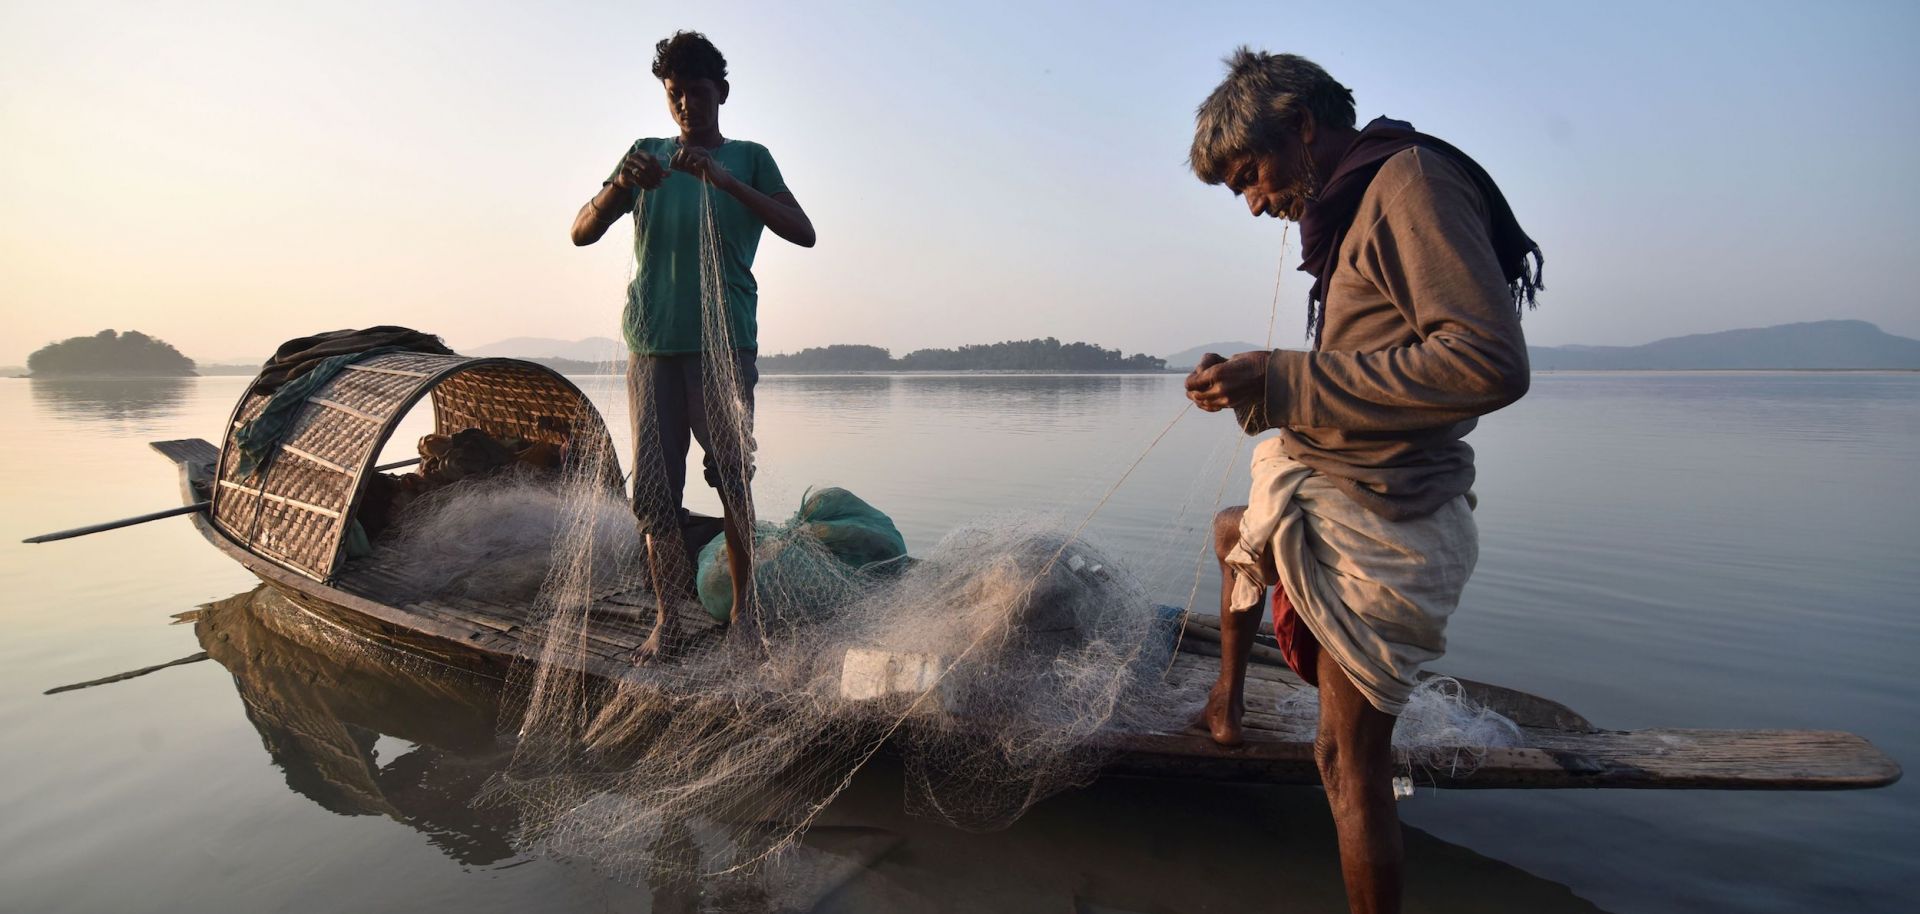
(1705, 550)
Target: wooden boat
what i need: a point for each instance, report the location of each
(289, 525)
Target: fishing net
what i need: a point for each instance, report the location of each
(496, 536)
(997, 664)
(1442, 729)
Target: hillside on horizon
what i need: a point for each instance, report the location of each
(1830, 345)
(1187, 358)
(1806, 346)
(592, 349)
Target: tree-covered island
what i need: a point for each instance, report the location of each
(107, 353)
(1014, 355)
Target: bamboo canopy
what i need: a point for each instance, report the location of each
(298, 506)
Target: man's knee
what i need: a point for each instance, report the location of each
(653, 522)
(1226, 530)
(1329, 756)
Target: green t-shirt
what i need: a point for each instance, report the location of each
(663, 301)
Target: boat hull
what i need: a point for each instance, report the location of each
(1560, 748)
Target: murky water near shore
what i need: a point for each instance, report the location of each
(1711, 550)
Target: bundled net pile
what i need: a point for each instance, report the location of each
(495, 537)
(994, 664)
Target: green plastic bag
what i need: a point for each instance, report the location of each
(855, 536)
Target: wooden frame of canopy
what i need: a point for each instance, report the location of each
(297, 506)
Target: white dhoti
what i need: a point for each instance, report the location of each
(1376, 593)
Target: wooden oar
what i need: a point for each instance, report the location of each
(117, 524)
(130, 674)
(157, 515)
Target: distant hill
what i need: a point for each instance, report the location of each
(575, 366)
(12, 371)
(1187, 358)
(230, 368)
(1814, 345)
(596, 349)
(107, 353)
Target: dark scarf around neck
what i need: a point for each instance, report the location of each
(1324, 226)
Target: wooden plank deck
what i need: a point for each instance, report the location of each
(1561, 748)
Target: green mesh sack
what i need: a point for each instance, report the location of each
(809, 560)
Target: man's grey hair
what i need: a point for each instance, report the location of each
(1257, 105)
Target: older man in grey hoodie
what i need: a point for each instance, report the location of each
(1361, 508)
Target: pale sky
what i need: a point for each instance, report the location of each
(229, 175)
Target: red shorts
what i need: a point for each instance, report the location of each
(1297, 643)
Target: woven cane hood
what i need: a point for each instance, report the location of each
(297, 509)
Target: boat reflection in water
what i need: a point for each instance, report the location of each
(322, 701)
(329, 705)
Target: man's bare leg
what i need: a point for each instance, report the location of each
(1227, 702)
(737, 526)
(1354, 751)
(672, 580)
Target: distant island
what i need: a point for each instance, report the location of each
(1835, 345)
(1047, 354)
(600, 354)
(109, 354)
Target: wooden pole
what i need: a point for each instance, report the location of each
(117, 524)
(122, 677)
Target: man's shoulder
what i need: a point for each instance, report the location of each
(656, 146)
(749, 147)
(1418, 174)
(1415, 165)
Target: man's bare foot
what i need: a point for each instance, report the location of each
(656, 645)
(744, 627)
(1222, 716)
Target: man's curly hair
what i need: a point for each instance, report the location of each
(688, 55)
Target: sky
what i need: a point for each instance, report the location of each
(229, 175)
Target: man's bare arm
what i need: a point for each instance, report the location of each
(780, 212)
(601, 212)
(638, 171)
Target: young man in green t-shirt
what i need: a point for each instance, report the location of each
(699, 201)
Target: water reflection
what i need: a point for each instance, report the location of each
(115, 399)
(1035, 404)
(362, 730)
(1011, 403)
(320, 713)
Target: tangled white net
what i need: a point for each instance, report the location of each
(1443, 728)
(994, 665)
